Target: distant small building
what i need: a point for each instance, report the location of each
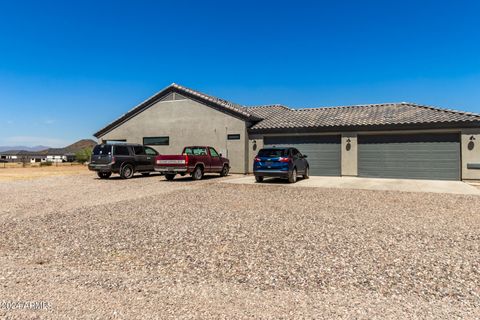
(54, 155)
(22, 156)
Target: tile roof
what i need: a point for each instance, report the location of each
(364, 116)
(267, 111)
(221, 102)
(278, 117)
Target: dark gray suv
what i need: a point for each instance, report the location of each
(122, 158)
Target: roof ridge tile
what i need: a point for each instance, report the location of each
(350, 106)
(455, 111)
(268, 106)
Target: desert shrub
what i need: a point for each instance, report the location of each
(83, 155)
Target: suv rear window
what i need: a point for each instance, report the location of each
(272, 153)
(121, 151)
(102, 149)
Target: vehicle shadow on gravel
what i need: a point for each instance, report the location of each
(136, 176)
(276, 181)
(189, 178)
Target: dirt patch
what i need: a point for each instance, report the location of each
(28, 173)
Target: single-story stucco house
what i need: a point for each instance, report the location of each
(390, 140)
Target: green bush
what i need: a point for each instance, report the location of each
(83, 155)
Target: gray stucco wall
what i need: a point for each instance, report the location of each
(255, 143)
(349, 154)
(470, 153)
(187, 122)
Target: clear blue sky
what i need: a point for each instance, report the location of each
(67, 68)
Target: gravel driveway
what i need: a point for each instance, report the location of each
(147, 248)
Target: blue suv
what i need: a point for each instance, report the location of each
(286, 163)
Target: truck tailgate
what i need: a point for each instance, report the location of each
(171, 163)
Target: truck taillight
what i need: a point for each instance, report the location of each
(284, 159)
(186, 159)
(159, 161)
(257, 159)
(113, 160)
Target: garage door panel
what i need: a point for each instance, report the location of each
(434, 156)
(323, 152)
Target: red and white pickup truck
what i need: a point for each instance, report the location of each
(194, 160)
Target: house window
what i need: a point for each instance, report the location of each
(156, 141)
(233, 137)
(114, 141)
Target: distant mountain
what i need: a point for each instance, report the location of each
(23, 148)
(73, 148)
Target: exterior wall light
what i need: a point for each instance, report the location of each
(471, 144)
(348, 147)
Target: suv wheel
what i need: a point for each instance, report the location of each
(169, 176)
(259, 178)
(197, 173)
(104, 175)
(224, 171)
(292, 177)
(306, 174)
(127, 171)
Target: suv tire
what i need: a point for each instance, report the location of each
(197, 173)
(306, 174)
(259, 178)
(127, 171)
(104, 175)
(292, 177)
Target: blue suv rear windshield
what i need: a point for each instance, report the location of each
(273, 153)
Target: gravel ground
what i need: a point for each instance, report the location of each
(151, 249)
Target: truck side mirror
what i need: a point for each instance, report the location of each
(220, 155)
(305, 156)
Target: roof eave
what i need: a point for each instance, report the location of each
(403, 126)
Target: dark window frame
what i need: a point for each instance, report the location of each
(157, 144)
(233, 136)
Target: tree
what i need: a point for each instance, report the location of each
(83, 155)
